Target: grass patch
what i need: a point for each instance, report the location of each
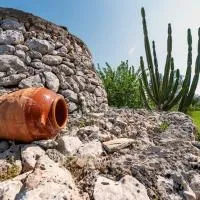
(11, 172)
(196, 119)
(163, 126)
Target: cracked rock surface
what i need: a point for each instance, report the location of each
(140, 160)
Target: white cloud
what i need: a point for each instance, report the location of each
(131, 51)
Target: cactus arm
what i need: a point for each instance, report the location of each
(144, 96)
(156, 66)
(171, 78)
(167, 64)
(148, 56)
(145, 81)
(186, 82)
(170, 102)
(195, 80)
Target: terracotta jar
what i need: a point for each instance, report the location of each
(32, 114)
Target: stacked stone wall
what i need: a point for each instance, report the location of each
(38, 53)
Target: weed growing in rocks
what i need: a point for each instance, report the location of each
(163, 126)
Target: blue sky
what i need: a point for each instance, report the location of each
(112, 29)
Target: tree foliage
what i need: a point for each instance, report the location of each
(122, 85)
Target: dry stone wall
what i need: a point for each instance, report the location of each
(38, 53)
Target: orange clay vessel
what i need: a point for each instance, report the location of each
(32, 114)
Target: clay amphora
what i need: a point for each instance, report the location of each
(32, 114)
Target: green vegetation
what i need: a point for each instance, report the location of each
(195, 105)
(12, 171)
(163, 126)
(196, 119)
(163, 91)
(121, 85)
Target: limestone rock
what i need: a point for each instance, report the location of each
(34, 54)
(12, 80)
(32, 81)
(46, 144)
(51, 60)
(10, 24)
(42, 46)
(195, 185)
(30, 153)
(70, 95)
(11, 37)
(127, 188)
(62, 51)
(7, 49)
(69, 145)
(3, 146)
(72, 107)
(2, 74)
(81, 82)
(21, 54)
(9, 189)
(94, 81)
(10, 163)
(56, 156)
(8, 62)
(73, 84)
(40, 65)
(165, 185)
(22, 47)
(89, 133)
(48, 181)
(52, 82)
(91, 149)
(117, 144)
(67, 70)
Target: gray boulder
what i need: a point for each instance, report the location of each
(127, 188)
(52, 81)
(72, 107)
(30, 153)
(42, 46)
(91, 149)
(70, 95)
(8, 62)
(117, 144)
(11, 37)
(4, 145)
(12, 80)
(67, 70)
(32, 81)
(9, 189)
(10, 24)
(68, 145)
(7, 49)
(51, 60)
(48, 181)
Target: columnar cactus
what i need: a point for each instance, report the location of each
(189, 91)
(161, 89)
(164, 90)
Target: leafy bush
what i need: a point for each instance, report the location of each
(122, 85)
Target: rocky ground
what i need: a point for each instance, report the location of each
(117, 155)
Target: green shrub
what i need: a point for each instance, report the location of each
(163, 126)
(122, 85)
